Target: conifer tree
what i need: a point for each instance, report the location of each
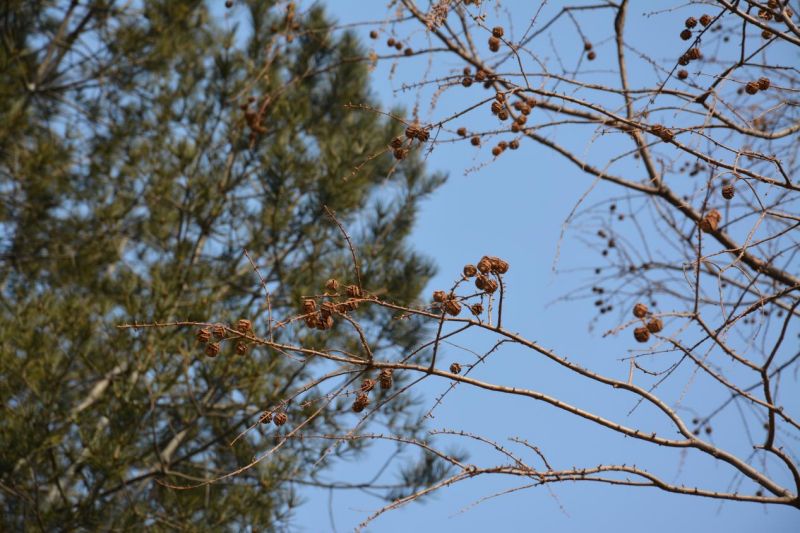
(143, 147)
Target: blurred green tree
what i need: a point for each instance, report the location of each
(143, 147)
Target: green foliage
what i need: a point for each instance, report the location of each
(130, 187)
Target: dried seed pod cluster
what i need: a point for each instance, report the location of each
(455, 368)
(415, 131)
(761, 84)
(651, 324)
(691, 55)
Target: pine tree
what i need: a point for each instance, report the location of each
(143, 147)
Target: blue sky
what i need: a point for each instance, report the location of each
(514, 208)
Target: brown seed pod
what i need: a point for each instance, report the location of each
(204, 335)
(691, 22)
(413, 130)
(229, 3)
(462, 131)
(324, 322)
(640, 310)
(484, 265)
(362, 400)
(218, 331)
(452, 307)
(587, 45)
(503, 115)
(751, 87)
(332, 285)
(515, 128)
(513, 144)
(494, 43)
(710, 222)
(385, 378)
(280, 419)
(686, 35)
(476, 309)
(496, 107)
(466, 81)
(591, 56)
(475, 141)
(373, 34)
(763, 83)
(241, 348)
(467, 71)
(705, 20)
(694, 53)
(683, 60)
(728, 191)
(397, 142)
(765, 14)
(390, 42)
(496, 151)
(654, 325)
(641, 334)
(266, 417)
(309, 306)
(660, 131)
(498, 265)
(439, 296)
(398, 46)
(312, 321)
(470, 271)
(408, 51)
(497, 31)
(766, 34)
(480, 75)
(212, 349)
(367, 385)
(682, 74)
(490, 286)
(455, 368)
(244, 325)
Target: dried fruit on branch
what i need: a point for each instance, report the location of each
(439, 296)
(455, 368)
(362, 400)
(204, 335)
(654, 325)
(710, 222)
(280, 419)
(309, 306)
(728, 191)
(452, 307)
(367, 385)
(641, 334)
(385, 378)
(212, 349)
(640, 310)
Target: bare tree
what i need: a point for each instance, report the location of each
(698, 146)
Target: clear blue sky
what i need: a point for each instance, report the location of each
(522, 200)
